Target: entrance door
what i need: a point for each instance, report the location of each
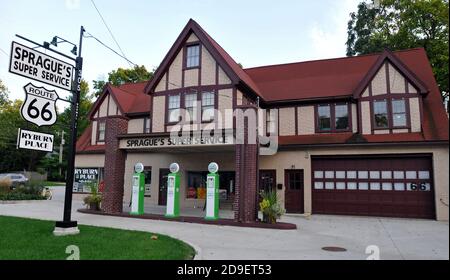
(294, 182)
(163, 175)
(267, 180)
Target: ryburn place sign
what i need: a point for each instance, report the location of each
(39, 106)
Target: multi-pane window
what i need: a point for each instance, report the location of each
(341, 113)
(147, 124)
(208, 99)
(193, 56)
(380, 114)
(324, 115)
(333, 117)
(174, 108)
(190, 103)
(398, 112)
(101, 131)
(271, 121)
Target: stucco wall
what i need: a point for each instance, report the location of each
(187, 162)
(414, 108)
(223, 78)
(301, 159)
(103, 110)
(191, 77)
(354, 119)
(208, 68)
(112, 107)
(94, 133)
(287, 121)
(136, 125)
(365, 116)
(379, 83)
(306, 120)
(175, 77)
(225, 102)
(397, 81)
(90, 160)
(162, 84)
(159, 110)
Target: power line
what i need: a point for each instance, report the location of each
(110, 32)
(4, 52)
(111, 49)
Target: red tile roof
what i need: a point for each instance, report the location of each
(84, 143)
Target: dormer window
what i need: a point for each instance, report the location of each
(193, 56)
(390, 113)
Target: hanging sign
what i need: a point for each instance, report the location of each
(38, 66)
(32, 140)
(39, 106)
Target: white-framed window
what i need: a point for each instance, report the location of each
(352, 186)
(375, 186)
(351, 174)
(329, 174)
(387, 186)
(147, 125)
(399, 186)
(364, 186)
(386, 174)
(374, 174)
(424, 175)
(318, 185)
(411, 175)
(193, 56)
(318, 174)
(190, 103)
(340, 185)
(174, 108)
(208, 101)
(101, 131)
(329, 185)
(340, 174)
(363, 174)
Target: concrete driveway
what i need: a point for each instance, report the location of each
(395, 238)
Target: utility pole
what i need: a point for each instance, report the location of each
(67, 226)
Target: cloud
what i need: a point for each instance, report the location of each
(327, 39)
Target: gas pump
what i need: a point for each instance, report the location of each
(137, 198)
(173, 192)
(212, 192)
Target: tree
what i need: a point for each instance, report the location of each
(122, 76)
(403, 24)
(3, 93)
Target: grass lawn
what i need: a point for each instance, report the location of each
(27, 239)
(54, 184)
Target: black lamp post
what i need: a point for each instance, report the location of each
(67, 226)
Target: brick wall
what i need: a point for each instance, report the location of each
(114, 165)
(245, 202)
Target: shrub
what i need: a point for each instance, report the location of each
(94, 199)
(32, 187)
(20, 196)
(270, 206)
(5, 185)
(30, 191)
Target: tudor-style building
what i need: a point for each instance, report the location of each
(365, 135)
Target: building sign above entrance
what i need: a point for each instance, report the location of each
(183, 141)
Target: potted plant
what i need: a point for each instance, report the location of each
(270, 206)
(94, 199)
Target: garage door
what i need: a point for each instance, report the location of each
(388, 186)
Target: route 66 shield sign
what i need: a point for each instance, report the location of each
(39, 106)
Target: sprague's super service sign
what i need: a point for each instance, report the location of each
(40, 67)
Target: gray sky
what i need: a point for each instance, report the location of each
(254, 33)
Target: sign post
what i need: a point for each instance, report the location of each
(212, 192)
(173, 192)
(39, 107)
(137, 199)
(67, 226)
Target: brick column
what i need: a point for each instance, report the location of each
(114, 165)
(245, 202)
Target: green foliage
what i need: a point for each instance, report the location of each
(403, 24)
(31, 191)
(3, 93)
(121, 76)
(95, 198)
(270, 206)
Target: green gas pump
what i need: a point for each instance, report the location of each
(173, 192)
(138, 189)
(212, 192)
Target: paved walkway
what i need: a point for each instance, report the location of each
(396, 238)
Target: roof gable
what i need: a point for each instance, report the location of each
(387, 55)
(231, 68)
(107, 90)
